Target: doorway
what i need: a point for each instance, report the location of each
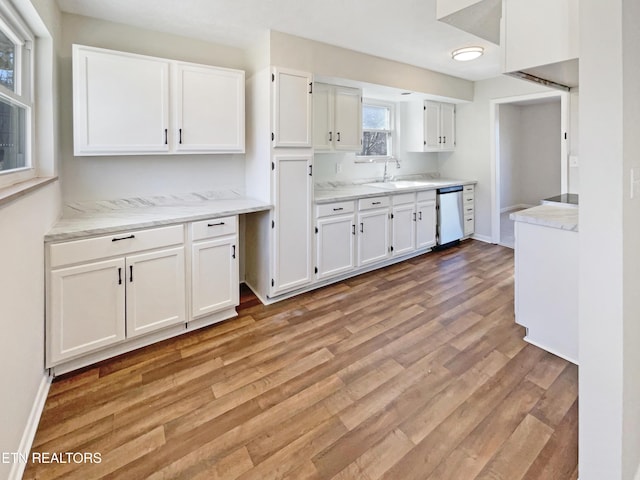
(529, 156)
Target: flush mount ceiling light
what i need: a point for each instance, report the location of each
(467, 53)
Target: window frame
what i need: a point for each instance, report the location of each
(391, 132)
(15, 28)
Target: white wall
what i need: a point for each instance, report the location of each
(540, 173)
(510, 145)
(472, 157)
(91, 178)
(23, 224)
(609, 383)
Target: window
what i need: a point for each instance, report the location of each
(377, 129)
(15, 98)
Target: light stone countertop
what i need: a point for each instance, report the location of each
(81, 220)
(549, 215)
(337, 192)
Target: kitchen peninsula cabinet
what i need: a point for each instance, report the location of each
(129, 104)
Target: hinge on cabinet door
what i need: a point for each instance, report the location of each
(316, 270)
(273, 224)
(273, 166)
(316, 229)
(391, 216)
(272, 137)
(391, 248)
(273, 77)
(565, 135)
(424, 107)
(273, 282)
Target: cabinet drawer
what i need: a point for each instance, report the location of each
(468, 198)
(468, 189)
(113, 245)
(375, 202)
(216, 227)
(403, 198)
(468, 209)
(426, 195)
(337, 208)
(468, 224)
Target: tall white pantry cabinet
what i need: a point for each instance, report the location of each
(279, 251)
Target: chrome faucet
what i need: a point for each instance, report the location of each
(386, 176)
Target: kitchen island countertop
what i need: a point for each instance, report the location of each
(551, 215)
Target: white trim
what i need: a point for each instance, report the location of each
(495, 160)
(482, 238)
(637, 475)
(550, 350)
(29, 434)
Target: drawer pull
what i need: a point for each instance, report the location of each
(469, 219)
(376, 203)
(469, 209)
(338, 209)
(215, 224)
(117, 239)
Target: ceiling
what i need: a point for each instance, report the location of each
(403, 30)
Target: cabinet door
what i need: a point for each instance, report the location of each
(348, 119)
(120, 103)
(432, 137)
(86, 309)
(323, 133)
(335, 247)
(214, 276)
(292, 226)
(292, 102)
(155, 290)
(403, 229)
(447, 126)
(373, 236)
(209, 106)
(426, 224)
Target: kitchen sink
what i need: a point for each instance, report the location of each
(399, 184)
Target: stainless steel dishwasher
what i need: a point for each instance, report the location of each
(450, 215)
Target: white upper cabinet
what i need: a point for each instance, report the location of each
(539, 33)
(429, 126)
(120, 103)
(209, 106)
(127, 104)
(292, 104)
(337, 118)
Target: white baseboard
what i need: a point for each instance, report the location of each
(29, 434)
(637, 476)
(482, 238)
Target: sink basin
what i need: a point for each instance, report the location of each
(399, 184)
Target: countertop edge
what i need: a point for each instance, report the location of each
(369, 192)
(92, 232)
(553, 216)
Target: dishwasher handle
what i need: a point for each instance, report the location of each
(456, 188)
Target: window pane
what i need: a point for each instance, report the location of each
(375, 118)
(7, 59)
(374, 143)
(12, 136)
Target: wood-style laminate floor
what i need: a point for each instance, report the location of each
(415, 371)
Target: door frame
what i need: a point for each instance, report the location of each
(494, 106)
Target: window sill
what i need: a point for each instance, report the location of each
(13, 192)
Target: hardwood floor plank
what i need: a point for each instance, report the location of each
(562, 393)
(518, 452)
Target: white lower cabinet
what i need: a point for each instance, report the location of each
(214, 266)
(425, 219)
(373, 230)
(403, 224)
(335, 235)
(107, 295)
(155, 291)
(86, 308)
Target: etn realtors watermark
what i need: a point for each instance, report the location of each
(51, 457)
